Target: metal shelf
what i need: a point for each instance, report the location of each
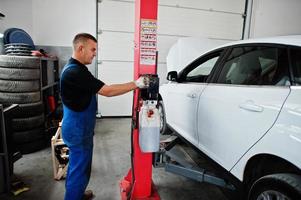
(49, 86)
(49, 72)
(49, 68)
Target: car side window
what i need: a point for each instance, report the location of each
(201, 71)
(296, 62)
(256, 66)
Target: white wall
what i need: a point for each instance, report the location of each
(274, 17)
(55, 22)
(17, 14)
(50, 22)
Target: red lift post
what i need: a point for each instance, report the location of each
(138, 185)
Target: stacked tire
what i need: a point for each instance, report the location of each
(20, 84)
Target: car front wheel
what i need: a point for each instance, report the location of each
(164, 130)
(276, 186)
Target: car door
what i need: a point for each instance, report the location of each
(237, 109)
(181, 98)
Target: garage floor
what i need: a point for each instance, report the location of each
(111, 162)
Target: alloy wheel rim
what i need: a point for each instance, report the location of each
(161, 117)
(272, 195)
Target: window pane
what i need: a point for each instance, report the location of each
(202, 71)
(256, 66)
(296, 61)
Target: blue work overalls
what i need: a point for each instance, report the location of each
(77, 133)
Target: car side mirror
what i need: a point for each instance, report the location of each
(172, 76)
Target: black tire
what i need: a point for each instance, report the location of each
(19, 74)
(24, 124)
(275, 186)
(19, 98)
(20, 61)
(19, 86)
(164, 129)
(31, 147)
(28, 110)
(29, 135)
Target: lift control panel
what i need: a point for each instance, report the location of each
(152, 92)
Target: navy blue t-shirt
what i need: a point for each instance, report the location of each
(78, 86)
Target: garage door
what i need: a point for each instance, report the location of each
(215, 19)
(265, 13)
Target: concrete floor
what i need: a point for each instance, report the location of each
(111, 162)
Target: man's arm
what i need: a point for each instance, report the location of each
(116, 89)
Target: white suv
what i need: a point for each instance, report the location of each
(240, 105)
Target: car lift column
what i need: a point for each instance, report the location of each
(138, 182)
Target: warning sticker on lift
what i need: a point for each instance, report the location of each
(148, 41)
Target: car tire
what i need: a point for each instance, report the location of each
(19, 86)
(30, 62)
(19, 98)
(276, 186)
(19, 74)
(23, 124)
(32, 146)
(164, 129)
(29, 135)
(28, 110)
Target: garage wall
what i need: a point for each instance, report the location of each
(215, 19)
(55, 22)
(17, 14)
(52, 24)
(274, 17)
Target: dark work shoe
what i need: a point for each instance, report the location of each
(88, 195)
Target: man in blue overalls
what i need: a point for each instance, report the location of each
(78, 91)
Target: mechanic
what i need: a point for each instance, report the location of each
(78, 93)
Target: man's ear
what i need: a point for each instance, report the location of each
(80, 47)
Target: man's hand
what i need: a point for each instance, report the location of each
(142, 82)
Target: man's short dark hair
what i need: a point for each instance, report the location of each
(83, 37)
